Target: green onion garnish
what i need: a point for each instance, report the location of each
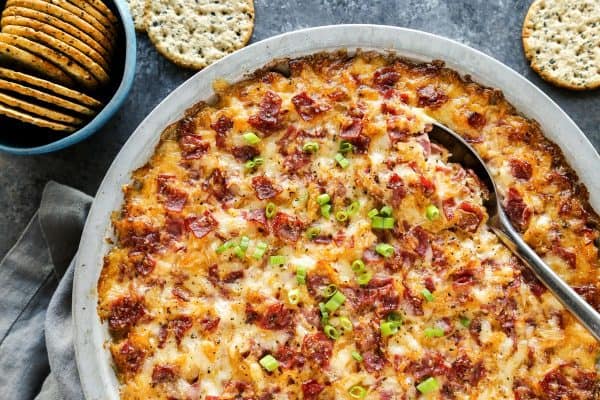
(244, 242)
(270, 210)
(428, 385)
(356, 355)
(225, 246)
(357, 392)
(323, 199)
(364, 278)
(251, 138)
(331, 332)
(386, 211)
(310, 147)
(330, 290)
(238, 251)
(464, 321)
(335, 302)
(294, 296)
(358, 266)
(394, 317)
(301, 275)
(259, 251)
(389, 328)
(433, 332)
(373, 212)
(313, 232)
(432, 212)
(250, 164)
(353, 208)
(346, 324)
(277, 260)
(324, 314)
(269, 363)
(341, 216)
(388, 223)
(382, 222)
(326, 210)
(342, 161)
(345, 147)
(427, 295)
(259, 161)
(385, 250)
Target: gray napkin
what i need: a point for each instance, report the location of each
(37, 359)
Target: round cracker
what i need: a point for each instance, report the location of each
(87, 7)
(58, 35)
(35, 63)
(38, 110)
(30, 119)
(45, 97)
(108, 31)
(100, 6)
(195, 33)
(561, 39)
(50, 87)
(96, 70)
(66, 16)
(59, 24)
(138, 9)
(75, 70)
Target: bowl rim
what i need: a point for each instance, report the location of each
(90, 334)
(109, 109)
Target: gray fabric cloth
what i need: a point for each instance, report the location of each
(37, 359)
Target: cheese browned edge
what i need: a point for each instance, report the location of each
(190, 322)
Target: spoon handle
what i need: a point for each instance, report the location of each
(585, 313)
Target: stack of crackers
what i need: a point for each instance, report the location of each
(55, 57)
(194, 33)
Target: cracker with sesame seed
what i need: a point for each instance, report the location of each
(561, 39)
(138, 9)
(195, 33)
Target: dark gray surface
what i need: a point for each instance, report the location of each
(492, 26)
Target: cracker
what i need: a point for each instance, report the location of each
(35, 63)
(76, 71)
(44, 97)
(30, 119)
(87, 17)
(66, 16)
(58, 35)
(561, 39)
(195, 33)
(87, 63)
(100, 6)
(138, 9)
(38, 110)
(58, 24)
(90, 9)
(50, 87)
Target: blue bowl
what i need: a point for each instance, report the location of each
(23, 139)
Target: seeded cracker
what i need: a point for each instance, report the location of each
(561, 39)
(38, 110)
(193, 34)
(138, 10)
(30, 119)
(35, 63)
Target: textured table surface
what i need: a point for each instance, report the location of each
(492, 26)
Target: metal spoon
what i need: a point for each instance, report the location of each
(462, 153)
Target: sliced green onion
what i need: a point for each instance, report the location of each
(260, 250)
(324, 314)
(353, 208)
(323, 199)
(330, 290)
(378, 222)
(432, 212)
(331, 332)
(357, 392)
(388, 223)
(294, 296)
(373, 212)
(389, 328)
(251, 138)
(244, 242)
(313, 232)
(356, 355)
(464, 321)
(269, 363)
(342, 161)
(346, 324)
(301, 275)
(258, 161)
(427, 295)
(277, 260)
(326, 210)
(310, 147)
(386, 211)
(250, 164)
(364, 278)
(385, 249)
(428, 385)
(238, 251)
(433, 332)
(335, 302)
(358, 266)
(394, 317)
(341, 216)
(270, 210)
(225, 246)
(345, 146)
